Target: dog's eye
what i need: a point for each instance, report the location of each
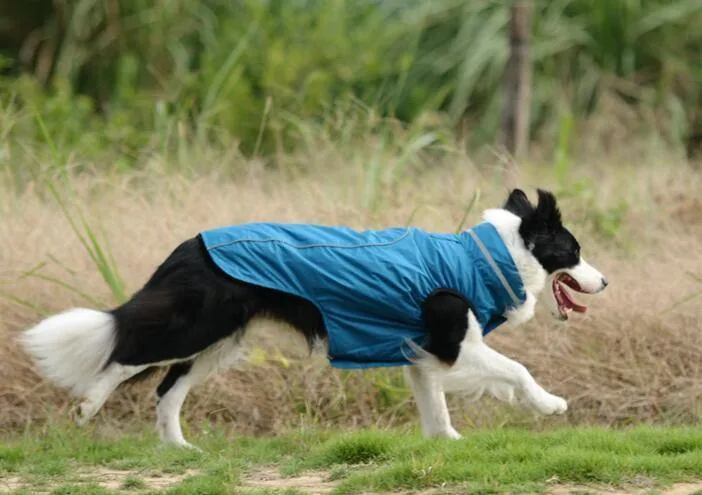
(577, 253)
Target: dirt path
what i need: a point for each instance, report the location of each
(318, 483)
(111, 479)
(675, 489)
(312, 483)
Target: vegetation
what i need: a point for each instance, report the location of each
(632, 358)
(63, 461)
(127, 75)
(128, 126)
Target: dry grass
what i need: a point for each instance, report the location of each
(624, 361)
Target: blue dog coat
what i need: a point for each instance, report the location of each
(370, 286)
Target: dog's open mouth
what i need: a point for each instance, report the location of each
(565, 301)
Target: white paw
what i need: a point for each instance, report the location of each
(548, 404)
(449, 432)
(188, 445)
(85, 411)
(182, 443)
(453, 434)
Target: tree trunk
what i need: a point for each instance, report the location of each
(514, 134)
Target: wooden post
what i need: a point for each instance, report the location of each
(514, 132)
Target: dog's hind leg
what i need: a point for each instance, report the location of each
(431, 402)
(106, 383)
(171, 394)
(181, 377)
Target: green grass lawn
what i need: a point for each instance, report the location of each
(71, 461)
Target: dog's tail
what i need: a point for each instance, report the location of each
(73, 347)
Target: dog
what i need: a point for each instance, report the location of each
(392, 297)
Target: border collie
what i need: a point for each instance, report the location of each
(393, 297)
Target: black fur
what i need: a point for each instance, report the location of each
(543, 232)
(519, 204)
(174, 372)
(445, 315)
(189, 304)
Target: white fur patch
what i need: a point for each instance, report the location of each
(530, 270)
(72, 347)
(220, 356)
(480, 369)
(589, 278)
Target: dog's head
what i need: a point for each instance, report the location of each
(556, 251)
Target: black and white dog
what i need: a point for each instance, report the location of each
(367, 297)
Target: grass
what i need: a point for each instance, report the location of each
(78, 232)
(627, 360)
(63, 460)
(218, 115)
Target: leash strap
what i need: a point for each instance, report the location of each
(495, 268)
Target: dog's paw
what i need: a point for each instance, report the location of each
(190, 446)
(549, 404)
(449, 432)
(181, 443)
(453, 434)
(84, 411)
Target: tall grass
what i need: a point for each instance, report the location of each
(98, 251)
(623, 362)
(359, 130)
(235, 71)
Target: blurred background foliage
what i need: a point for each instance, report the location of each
(251, 74)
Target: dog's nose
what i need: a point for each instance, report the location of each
(604, 283)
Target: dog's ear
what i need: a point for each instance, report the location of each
(547, 213)
(545, 218)
(519, 204)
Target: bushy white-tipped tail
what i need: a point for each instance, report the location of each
(71, 348)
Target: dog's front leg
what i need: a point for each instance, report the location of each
(479, 369)
(445, 315)
(431, 401)
(480, 366)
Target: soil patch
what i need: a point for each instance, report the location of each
(111, 479)
(318, 483)
(313, 482)
(675, 489)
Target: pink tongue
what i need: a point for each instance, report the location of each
(570, 302)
